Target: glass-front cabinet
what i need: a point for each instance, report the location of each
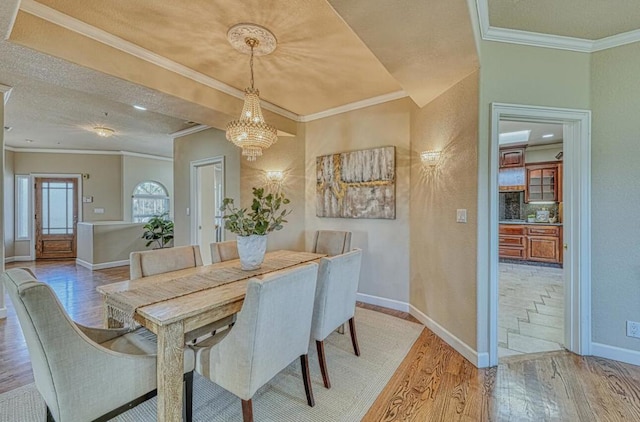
(542, 183)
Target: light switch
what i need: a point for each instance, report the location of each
(461, 216)
(98, 210)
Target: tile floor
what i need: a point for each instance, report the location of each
(531, 309)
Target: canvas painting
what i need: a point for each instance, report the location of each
(357, 184)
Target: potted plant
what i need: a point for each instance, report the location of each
(252, 225)
(158, 229)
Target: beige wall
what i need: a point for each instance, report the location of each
(109, 242)
(615, 101)
(9, 204)
(443, 252)
(104, 182)
(197, 146)
(286, 155)
(385, 243)
(519, 74)
(542, 153)
(140, 169)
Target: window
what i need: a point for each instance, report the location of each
(23, 215)
(149, 199)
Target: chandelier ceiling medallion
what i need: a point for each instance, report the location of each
(250, 132)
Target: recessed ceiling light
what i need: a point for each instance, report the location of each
(29, 140)
(548, 135)
(137, 107)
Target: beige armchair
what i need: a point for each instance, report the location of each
(84, 373)
(158, 261)
(224, 251)
(335, 302)
(332, 242)
(271, 331)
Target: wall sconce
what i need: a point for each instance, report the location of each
(430, 158)
(275, 176)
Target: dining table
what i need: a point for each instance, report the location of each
(175, 303)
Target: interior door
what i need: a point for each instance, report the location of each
(209, 200)
(56, 217)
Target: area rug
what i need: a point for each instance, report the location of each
(355, 382)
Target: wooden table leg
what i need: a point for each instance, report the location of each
(170, 372)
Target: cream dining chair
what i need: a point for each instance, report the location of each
(158, 261)
(332, 242)
(224, 251)
(335, 302)
(83, 373)
(271, 331)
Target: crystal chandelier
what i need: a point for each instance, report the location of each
(250, 132)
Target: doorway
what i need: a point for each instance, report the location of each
(576, 240)
(530, 232)
(56, 217)
(207, 193)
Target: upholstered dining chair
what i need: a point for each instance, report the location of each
(224, 251)
(158, 261)
(271, 331)
(83, 373)
(332, 242)
(335, 302)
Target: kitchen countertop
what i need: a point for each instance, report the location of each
(524, 222)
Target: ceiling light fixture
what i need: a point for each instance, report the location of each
(137, 107)
(250, 132)
(103, 131)
(548, 135)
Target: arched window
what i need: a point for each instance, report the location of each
(149, 199)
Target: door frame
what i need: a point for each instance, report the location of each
(577, 219)
(193, 185)
(32, 199)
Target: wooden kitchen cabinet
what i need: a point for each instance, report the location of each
(530, 242)
(511, 157)
(542, 182)
(512, 241)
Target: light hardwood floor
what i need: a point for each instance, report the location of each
(434, 383)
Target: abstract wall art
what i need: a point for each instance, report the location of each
(357, 184)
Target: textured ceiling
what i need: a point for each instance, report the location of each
(319, 62)
(427, 45)
(325, 58)
(592, 19)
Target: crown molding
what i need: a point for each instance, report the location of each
(6, 92)
(51, 15)
(536, 39)
(616, 40)
(355, 106)
(189, 131)
(87, 152)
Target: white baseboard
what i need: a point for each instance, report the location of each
(102, 265)
(382, 301)
(615, 353)
(483, 360)
(17, 259)
(3, 313)
(453, 341)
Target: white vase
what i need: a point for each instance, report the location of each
(251, 250)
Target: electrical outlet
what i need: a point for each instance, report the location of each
(633, 329)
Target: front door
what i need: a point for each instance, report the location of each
(56, 217)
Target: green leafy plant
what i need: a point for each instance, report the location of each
(263, 217)
(159, 229)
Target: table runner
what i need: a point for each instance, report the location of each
(121, 306)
